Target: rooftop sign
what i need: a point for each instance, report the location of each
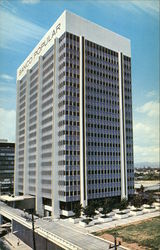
(69, 22)
(39, 49)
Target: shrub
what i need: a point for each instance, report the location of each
(77, 210)
(123, 204)
(114, 202)
(141, 190)
(137, 201)
(150, 200)
(89, 210)
(106, 207)
(95, 203)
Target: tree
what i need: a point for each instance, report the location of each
(95, 203)
(89, 210)
(150, 200)
(123, 204)
(77, 210)
(113, 202)
(141, 190)
(137, 201)
(106, 207)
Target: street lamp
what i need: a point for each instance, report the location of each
(33, 230)
(34, 240)
(115, 242)
(31, 219)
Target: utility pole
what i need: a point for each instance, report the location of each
(33, 232)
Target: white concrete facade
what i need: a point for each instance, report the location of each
(69, 22)
(124, 188)
(37, 150)
(55, 201)
(83, 171)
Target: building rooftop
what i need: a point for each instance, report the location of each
(15, 198)
(69, 22)
(3, 140)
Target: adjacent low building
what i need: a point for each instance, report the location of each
(7, 151)
(74, 138)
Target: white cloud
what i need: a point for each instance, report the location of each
(151, 94)
(6, 77)
(7, 5)
(30, 1)
(6, 88)
(142, 127)
(147, 5)
(151, 109)
(135, 6)
(146, 153)
(17, 30)
(146, 132)
(7, 91)
(7, 124)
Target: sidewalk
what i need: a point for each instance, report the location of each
(65, 233)
(11, 240)
(117, 222)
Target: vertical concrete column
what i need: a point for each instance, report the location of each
(1, 219)
(54, 188)
(17, 143)
(83, 168)
(26, 155)
(38, 200)
(124, 188)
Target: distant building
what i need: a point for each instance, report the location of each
(74, 140)
(7, 152)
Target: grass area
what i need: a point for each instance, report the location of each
(146, 233)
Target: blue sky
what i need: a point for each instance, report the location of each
(23, 23)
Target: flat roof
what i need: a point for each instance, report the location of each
(3, 140)
(15, 198)
(69, 22)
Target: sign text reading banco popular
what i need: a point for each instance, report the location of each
(40, 48)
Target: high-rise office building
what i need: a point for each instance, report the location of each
(6, 166)
(74, 140)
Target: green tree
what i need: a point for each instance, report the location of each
(106, 207)
(150, 200)
(77, 210)
(137, 201)
(123, 204)
(96, 204)
(89, 210)
(141, 190)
